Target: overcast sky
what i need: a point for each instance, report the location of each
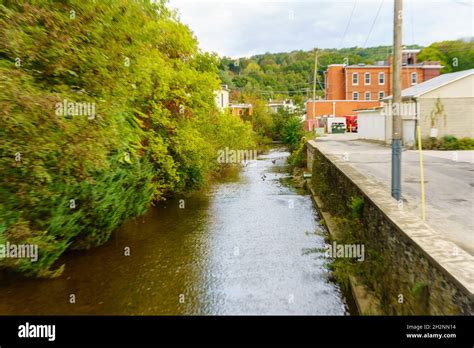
(248, 27)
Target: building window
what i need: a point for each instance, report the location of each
(355, 78)
(381, 95)
(355, 95)
(367, 95)
(367, 78)
(381, 78)
(413, 78)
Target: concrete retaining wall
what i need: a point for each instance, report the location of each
(408, 266)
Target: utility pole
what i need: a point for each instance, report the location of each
(314, 86)
(396, 101)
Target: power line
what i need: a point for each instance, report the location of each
(348, 23)
(373, 23)
(319, 83)
(340, 43)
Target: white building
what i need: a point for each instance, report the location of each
(222, 97)
(445, 103)
(286, 104)
(371, 124)
(442, 106)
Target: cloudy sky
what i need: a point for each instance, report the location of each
(237, 28)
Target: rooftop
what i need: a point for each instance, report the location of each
(425, 65)
(435, 83)
(411, 50)
(283, 102)
(370, 109)
(240, 106)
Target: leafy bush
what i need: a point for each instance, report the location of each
(155, 131)
(357, 206)
(297, 159)
(262, 118)
(292, 132)
(280, 118)
(465, 144)
(448, 142)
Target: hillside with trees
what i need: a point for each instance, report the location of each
(281, 75)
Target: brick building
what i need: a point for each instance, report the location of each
(352, 87)
(373, 82)
(336, 108)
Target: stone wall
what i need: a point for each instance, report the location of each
(407, 266)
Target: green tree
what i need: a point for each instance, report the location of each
(454, 55)
(68, 180)
(280, 119)
(292, 132)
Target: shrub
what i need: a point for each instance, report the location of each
(156, 130)
(448, 142)
(465, 144)
(357, 206)
(297, 159)
(280, 118)
(292, 132)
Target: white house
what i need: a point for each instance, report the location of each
(222, 97)
(442, 106)
(286, 104)
(445, 103)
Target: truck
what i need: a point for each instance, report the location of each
(351, 123)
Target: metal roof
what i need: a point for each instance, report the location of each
(434, 83)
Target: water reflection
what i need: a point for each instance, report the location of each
(238, 248)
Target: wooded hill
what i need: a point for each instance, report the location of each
(280, 75)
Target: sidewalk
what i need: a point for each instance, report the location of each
(449, 182)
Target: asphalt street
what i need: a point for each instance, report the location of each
(449, 182)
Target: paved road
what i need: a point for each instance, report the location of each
(449, 182)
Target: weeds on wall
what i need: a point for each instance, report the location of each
(397, 293)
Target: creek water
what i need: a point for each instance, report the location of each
(249, 244)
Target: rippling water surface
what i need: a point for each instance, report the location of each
(245, 246)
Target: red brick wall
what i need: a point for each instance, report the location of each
(430, 73)
(406, 76)
(374, 88)
(342, 107)
(335, 86)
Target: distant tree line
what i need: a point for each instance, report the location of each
(281, 75)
